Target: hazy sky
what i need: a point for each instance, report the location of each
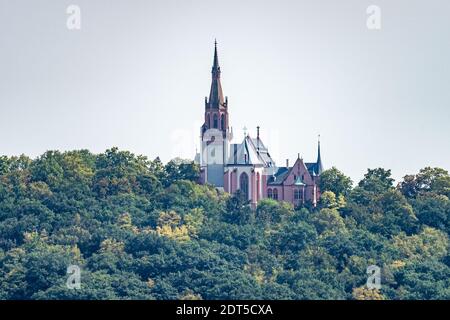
(136, 74)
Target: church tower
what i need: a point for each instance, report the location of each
(215, 132)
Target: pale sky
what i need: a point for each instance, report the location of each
(136, 74)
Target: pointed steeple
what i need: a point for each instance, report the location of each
(216, 67)
(216, 99)
(319, 166)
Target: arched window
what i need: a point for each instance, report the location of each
(275, 194)
(269, 193)
(222, 122)
(258, 186)
(243, 183)
(208, 120)
(215, 121)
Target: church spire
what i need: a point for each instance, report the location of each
(216, 95)
(319, 165)
(216, 68)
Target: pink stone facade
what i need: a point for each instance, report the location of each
(247, 165)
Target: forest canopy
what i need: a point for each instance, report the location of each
(141, 229)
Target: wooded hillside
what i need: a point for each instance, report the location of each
(139, 229)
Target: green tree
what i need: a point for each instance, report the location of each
(4, 165)
(429, 179)
(335, 181)
(377, 180)
(179, 169)
(237, 209)
(272, 211)
(329, 200)
(142, 230)
(433, 210)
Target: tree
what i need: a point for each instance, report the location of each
(194, 221)
(429, 244)
(408, 186)
(272, 211)
(170, 226)
(47, 168)
(423, 280)
(335, 181)
(429, 179)
(237, 209)
(118, 172)
(329, 221)
(363, 293)
(142, 230)
(377, 180)
(292, 237)
(179, 169)
(4, 165)
(433, 210)
(397, 214)
(157, 169)
(328, 200)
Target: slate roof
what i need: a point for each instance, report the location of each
(246, 153)
(216, 95)
(312, 167)
(279, 176)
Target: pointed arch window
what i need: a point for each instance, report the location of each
(243, 183)
(269, 193)
(275, 194)
(208, 120)
(258, 182)
(215, 121)
(222, 122)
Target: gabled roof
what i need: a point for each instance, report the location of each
(257, 142)
(279, 176)
(262, 151)
(246, 153)
(242, 154)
